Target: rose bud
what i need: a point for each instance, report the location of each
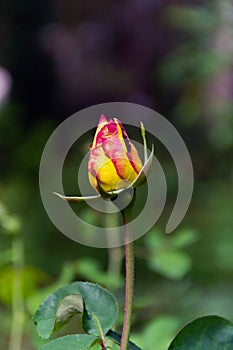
(113, 162)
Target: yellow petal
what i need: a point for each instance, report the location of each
(109, 179)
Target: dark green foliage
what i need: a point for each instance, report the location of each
(205, 333)
(70, 342)
(100, 309)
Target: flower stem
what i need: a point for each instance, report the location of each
(129, 284)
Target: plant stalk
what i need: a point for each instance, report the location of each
(129, 284)
(18, 312)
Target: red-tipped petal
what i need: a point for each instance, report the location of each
(102, 119)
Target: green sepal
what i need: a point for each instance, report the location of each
(76, 199)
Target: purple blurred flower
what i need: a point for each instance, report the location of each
(5, 85)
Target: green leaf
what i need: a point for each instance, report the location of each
(205, 333)
(159, 331)
(30, 278)
(96, 345)
(68, 307)
(70, 342)
(91, 270)
(117, 339)
(155, 240)
(172, 264)
(184, 238)
(99, 305)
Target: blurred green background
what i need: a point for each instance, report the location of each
(58, 57)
